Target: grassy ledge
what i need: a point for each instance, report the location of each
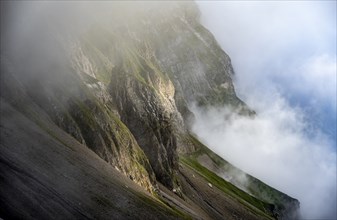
(257, 206)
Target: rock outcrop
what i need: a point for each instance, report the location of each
(122, 86)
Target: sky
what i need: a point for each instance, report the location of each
(284, 57)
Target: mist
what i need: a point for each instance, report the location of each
(42, 33)
(39, 39)
(284, 57)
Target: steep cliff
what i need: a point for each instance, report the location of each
(123, 86)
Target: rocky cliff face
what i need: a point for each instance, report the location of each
(157, 68)
(124, 89)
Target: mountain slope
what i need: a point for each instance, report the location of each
(260, 195)
(116, 96)
(46, 174)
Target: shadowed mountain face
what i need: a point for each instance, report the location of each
(95, 115)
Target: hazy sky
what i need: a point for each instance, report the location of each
(288, 46)
(284, 56)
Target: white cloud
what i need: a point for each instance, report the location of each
(318, 79)
(275, 148)
(281, 51)
(265, 39)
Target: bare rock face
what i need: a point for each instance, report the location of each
(74, 106)
(123, 88)
(146, 105)
(46, 174)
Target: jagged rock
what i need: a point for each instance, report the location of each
(146, 105)
(124, 89)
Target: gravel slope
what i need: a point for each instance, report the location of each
(46, 174)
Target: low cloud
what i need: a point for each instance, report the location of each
(318, 77)
(282, 47)
(284, 56)
(274, 147)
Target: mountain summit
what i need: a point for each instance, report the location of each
(95, 115)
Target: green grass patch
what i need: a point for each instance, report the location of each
(255, 187)
(255, 205)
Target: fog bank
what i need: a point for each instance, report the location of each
(284, 56)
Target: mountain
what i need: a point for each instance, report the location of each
(95, 116)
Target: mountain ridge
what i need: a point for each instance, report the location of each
(124, 92)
